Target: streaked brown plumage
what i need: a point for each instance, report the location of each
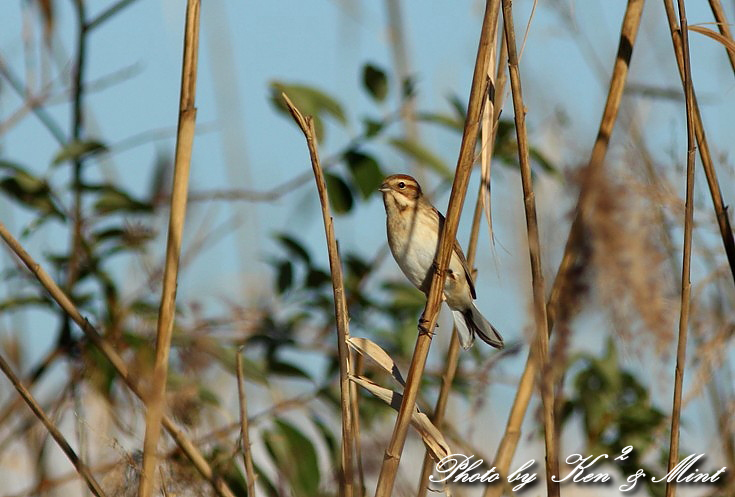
(413, 236)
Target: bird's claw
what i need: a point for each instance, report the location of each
(423, 329)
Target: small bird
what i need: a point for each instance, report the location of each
(413, 236)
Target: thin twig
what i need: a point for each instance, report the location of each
(81, 468)
(628, 33)
(389, 469)
(489, 130)
(247, 455)
(723, 220)
(686, 285)
(77, 249)
(546, 385)
(49, 123)
(347, 482)
(107, 13)
(104, 346)
(182, 162)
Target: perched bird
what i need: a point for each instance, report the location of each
(413, 236)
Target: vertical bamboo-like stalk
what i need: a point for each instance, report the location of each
(723, 220)
(347, 481)
(244, 428)
(392, 458)
(106, 348)
(399, 50)
(724, 27)
(534, 248)
(628, 33)
(81, 468)
(488, 142)
(182, 162)
(686, 285)
(357, 361)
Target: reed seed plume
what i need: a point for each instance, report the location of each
(629, 274)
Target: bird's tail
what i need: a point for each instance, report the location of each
(471, 322)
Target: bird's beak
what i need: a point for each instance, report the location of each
(384, 188)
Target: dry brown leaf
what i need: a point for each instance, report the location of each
(432, 437)
(368, 348)
(729, 44)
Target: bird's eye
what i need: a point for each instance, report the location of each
(401, 185)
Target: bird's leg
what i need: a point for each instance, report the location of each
(435, 267)
(423, 329)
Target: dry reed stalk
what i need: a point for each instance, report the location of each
(392, 458)
(546, 385)
(489, 131)
(104, 346)
(347, 480)
(399, 51)
(490, 120)
(721, 20)
(358, 362)
(81, 468)
(247, 455)
(628, 33)
(723, 220)
(182, 162)
(509, 442)
(686, 285)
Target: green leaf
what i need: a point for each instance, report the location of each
(23, 302)
(207, 396)
(293, 246)
(418, 152)
(366, 173)
(405, 295)
(453, 123)
(544, 162)
(285, 276)
(372, 127)
(460, 107)
(113, 200)
(316, 278)
(329, 438)
(408, 87)
(225, 466)
(357, 266)
(127, 237)
(264, 484)
(375, 82)
(78, 149)
(282, 368)
(310, 101)
(340, 195)
(28, 189)
(295, 457)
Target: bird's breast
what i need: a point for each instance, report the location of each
(413, 240)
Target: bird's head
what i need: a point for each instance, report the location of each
(401, 188)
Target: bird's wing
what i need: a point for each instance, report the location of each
(461, 257)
